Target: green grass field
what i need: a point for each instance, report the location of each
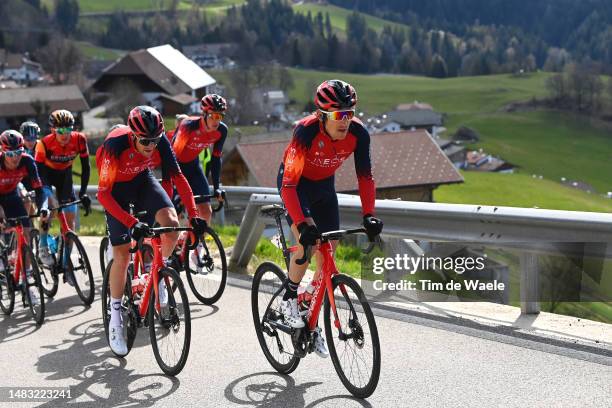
(96, 6)
(519, 190)
(100, 53)
(338, 15)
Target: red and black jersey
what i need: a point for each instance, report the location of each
(26, 169)
(118, 161)
(191, 138)
(312, 154)
(57, 157)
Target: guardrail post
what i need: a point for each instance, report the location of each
(530, 283)
(250, 231)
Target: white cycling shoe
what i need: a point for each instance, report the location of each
(289, 310)
(45, 256)
(34, 296)
(116, 340)
(320, 344)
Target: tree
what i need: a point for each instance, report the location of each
(285, 79)
(556, 87)
(62, 59)
(67, 15)
(328, 26)
(124, 95)
(438, 67)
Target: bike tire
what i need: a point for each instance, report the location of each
(343, 281)
(49, 279)
(38, 312)
(85, 288)
(200, 284)
(259, 296)
(7, 289)
(104, 243)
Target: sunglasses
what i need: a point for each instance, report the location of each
(63, 130)
(14, 153)
(339, 115)
(146, 141)
(216, 115)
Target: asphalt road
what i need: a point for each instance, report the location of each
(425, 363)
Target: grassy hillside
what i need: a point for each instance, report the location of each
(337, 16)
(89, 6)
(93, 51)
(519, 190)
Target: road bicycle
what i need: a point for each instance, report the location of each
(350, 328)
(15, 254)
(70, 259)
(170, 323)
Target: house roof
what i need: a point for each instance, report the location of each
(183, 99)
(414, 105)
(10, 60)
(416, 117)
(165, 66)
(404, 159)
(19, 101)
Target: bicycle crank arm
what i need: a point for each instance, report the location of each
(280, 326)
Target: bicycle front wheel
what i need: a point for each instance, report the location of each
(33, 286)
(354, 347)
(7, 290)
(48, 278)
(275, 344)
(206, 268)
(104, 253)
(78, 265)
(170, 323)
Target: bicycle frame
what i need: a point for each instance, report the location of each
(149, 287)
(21, 241)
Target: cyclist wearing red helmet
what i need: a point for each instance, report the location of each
(17, 166)
(320, 144)
(54, 156)
(124, 163)
(195, 134)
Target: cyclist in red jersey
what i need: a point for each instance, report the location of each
(195, 134)
(124, 164)
(54, 156)
(16, 166)
(320, 144)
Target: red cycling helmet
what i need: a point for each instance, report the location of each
(11, 140)
(335, 95)
(213, 103)
(146, 121)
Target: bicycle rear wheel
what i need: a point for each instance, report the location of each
(206, 268)
(128, 309)
(354, 347)
(48, 279)
(33, 285)
(78, 265)
(170, 326)
(275, 344)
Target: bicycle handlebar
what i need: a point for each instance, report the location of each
(157, 231)
(335, 235)
(203, 197)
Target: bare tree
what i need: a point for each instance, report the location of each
(62, 59)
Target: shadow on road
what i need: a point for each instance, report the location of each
(102, 379)
(271, 389)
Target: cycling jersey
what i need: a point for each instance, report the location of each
(57, 157)
(25, 171)
(55, 163)
(313, 155)
(191, 138)
(118, 161)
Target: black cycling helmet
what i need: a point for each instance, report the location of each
(146, 121)
(213, 103)
(11, 140)
(335, 95)
(61, 118)
(29, 130)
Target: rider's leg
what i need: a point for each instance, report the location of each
(44, 225)
(166, 217)
(205, 211)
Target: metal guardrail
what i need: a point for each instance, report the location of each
(504, 226)
(507, 226)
